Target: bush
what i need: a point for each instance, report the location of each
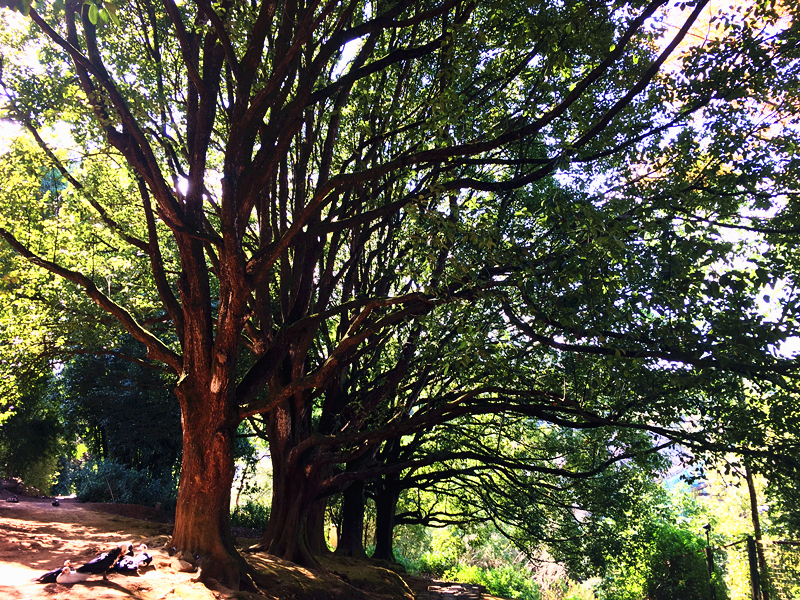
(39, 473)
(671, 566)
(409, 564)
(434, 563)
(503, 581)
(582, 591)
(411, 541)
(448, 548)
(430, 563)
(109, 481)
(678, 569)
(251, 515)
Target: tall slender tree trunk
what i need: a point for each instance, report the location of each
(762, 561)
(351, 536)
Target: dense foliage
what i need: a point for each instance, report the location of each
(250, 514)
(503, 251)
(122, 410)
(32, 436)
(109, 481)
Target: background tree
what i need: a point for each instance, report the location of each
(268, 164)
(32, 435)
(122, 410)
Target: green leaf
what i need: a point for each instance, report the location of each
(612, 47)
(22, 6)
(104, 15)
(112, 12)
(93, 14)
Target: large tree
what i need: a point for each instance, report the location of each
(280, 156)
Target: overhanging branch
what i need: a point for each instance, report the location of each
(156, 349)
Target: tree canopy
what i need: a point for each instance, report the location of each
(355, 222)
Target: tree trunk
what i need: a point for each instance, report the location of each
(295, 487)
(351, 536)
(316, 528)
(386, 496)
(202, 517)
(287, 530)
(762, 561)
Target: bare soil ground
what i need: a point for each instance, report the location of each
(36, 537)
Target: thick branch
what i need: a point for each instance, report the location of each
(156, 349)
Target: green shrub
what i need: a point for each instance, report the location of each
(251, 515)
(678, 568)
(670, 566)
(447, 549)
(467, 574)
(435, 563)
(432, 563)
(39, 473)
(411, 541)
(409, 564)
(503, 581)
(581, 591)
(109, 481)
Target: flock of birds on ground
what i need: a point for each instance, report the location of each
(119, 560)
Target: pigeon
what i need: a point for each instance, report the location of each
(55, 502)
(50, 576)
(12, 499)
(67, 575)
(103, 563)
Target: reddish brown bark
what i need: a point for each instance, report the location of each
(202, 518)
(268, 97)
(295, 487)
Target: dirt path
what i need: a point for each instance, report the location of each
(36, 537)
